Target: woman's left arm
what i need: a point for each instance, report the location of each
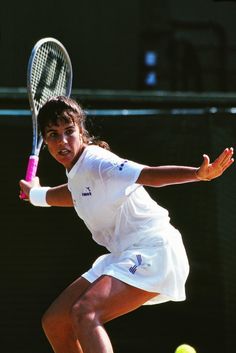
(171, 174)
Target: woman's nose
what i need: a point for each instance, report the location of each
(62, 139)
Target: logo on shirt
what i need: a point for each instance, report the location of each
(87, 191)
(133, 269)
(121, 166)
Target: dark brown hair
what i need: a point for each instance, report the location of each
(66, 109)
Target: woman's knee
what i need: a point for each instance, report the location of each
(83, 313)
(53, 319)
(48, 320)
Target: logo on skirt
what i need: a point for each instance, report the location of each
(133, 269)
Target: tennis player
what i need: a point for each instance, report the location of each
(146, 262)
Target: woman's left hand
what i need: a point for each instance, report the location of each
(209, 171)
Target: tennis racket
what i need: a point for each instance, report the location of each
(49, 74)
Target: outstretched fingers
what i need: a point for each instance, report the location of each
(209, 171)
(225, 159)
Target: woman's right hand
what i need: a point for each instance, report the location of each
(26, 186)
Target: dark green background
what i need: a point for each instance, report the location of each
(195, 41)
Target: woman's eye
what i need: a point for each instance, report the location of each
(70, 131)
(52, 135)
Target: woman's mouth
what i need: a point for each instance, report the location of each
(64, 152)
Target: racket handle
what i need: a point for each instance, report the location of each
(30, 172)
(32, 167)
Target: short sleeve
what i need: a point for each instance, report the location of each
(124, 171)
(119, 173)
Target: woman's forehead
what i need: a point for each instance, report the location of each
(60, 122)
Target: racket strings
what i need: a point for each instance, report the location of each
(50, 74)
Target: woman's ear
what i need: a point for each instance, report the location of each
(45, 145)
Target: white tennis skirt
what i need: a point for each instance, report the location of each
(161, 268)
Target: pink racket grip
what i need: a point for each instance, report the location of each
(30, 172)
(32, 167)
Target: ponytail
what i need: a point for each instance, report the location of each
(96, 141)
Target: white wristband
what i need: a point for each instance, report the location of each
(37, 196)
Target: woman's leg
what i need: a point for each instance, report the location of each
(57, 323)
(104, 300)
(76, 317)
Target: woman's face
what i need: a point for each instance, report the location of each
(65, 143)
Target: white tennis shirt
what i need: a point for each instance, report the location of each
(118, 212)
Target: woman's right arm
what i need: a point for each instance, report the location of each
(59, 196)
(55, 196)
